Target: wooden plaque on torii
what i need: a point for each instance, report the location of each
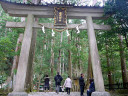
(60, 16)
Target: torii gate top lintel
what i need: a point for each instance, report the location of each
(47, 11)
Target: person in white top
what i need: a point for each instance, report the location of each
(68, 85)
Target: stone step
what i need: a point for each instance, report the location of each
(54, 94)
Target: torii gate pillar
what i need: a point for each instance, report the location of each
(98, 78)
(19, 88)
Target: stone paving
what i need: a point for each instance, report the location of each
(54, 94)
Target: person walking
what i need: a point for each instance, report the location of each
(46, 83)
(82, 84)
(68, 85)
(91, 87)
(58, 80)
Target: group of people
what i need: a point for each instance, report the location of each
(82, 85)
(68, 84)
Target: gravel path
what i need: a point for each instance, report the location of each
(65, 94)
(54, 94)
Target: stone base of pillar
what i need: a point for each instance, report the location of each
(18, 94)
(100, 94)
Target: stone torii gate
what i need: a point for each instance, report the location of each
(28, 44)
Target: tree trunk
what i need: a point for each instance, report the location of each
(59, 62)
(52, 62)
(123, 64)
(109, 71)
(69, 60)
(125, 36)
(63, 67)
(59, 58)
(52, 58)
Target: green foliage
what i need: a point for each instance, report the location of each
(2, 79)
(118, 16)
(115, 10)
(8, 40)
(5, 46)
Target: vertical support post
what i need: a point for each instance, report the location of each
(89, 72)
(24, 56)
(16, 59)
(30, 63)
(98, 78)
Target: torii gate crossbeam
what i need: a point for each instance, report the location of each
(51, 26)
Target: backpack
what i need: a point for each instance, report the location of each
(58, 79)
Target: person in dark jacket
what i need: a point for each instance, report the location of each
(46, 82)
(58, 80)
(91, 87)
(82, 84)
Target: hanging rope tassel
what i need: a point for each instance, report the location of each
(53, 33)
(78, 31)
(43, 29)
(67, 32)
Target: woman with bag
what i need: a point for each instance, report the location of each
(68, 85)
